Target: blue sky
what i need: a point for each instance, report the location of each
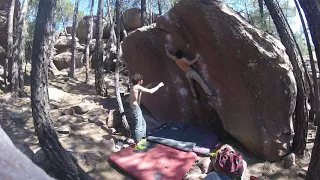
(297, 22)
(84, 5)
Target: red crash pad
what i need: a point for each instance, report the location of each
(159, 163)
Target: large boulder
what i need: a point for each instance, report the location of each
(65, 41)
(63, 60)
(82, 29)
(15, 165)
(131, 19)
(69, 29)
(247, 67)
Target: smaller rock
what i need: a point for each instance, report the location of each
(54, 106)
(92, 119)
(96, 121)
(92, 157)
(303, 172)
(289, 160)
(64, 129)
(96, 112)
(25, 149)
(305, 168)
(79, 156)
(109, 120)
(113, 116)
(112, 130)
(109, 144)
(65, 118)
(81, 119)
(68, 111)
(81, 108)
(19, 117)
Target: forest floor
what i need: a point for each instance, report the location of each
(89, 138)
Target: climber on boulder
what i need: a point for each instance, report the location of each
(184, 64)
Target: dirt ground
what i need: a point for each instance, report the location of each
(89, 139)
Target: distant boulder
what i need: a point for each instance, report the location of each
(131, 19)
(82, 29)
(63, 60)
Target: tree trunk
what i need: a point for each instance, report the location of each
(117, 73)
(21, 44)
(311, 10)
(308, 87)
(301, 112)
(109, 12)
(89, 41)
(74, 42)
(111, 53)
(12, 65)
(99, 77)
(314, 166)
(43, 124)
(159, 7)
(144, 20)
(150, 11)
(53, 40)
(313, 67)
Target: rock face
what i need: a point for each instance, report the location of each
(15, 165)
(81, 108)
(248, 68)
